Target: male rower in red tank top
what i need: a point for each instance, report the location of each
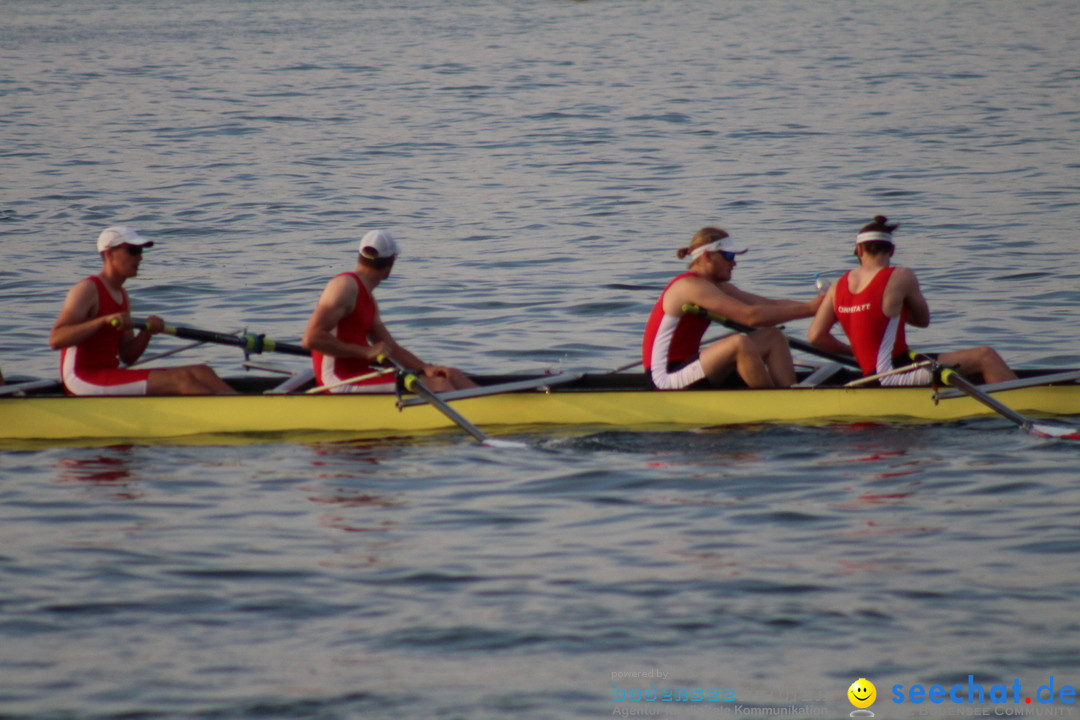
(874, 302)
(345, 333)
(94, 332)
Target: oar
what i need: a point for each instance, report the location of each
(416, 385)
(168, 353)
(348, 381)
(792, 341)
(27, 386)
(249, 342)
(1041, 430)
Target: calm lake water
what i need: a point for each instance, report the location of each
(539, 162)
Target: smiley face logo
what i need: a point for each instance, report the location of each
(862, 693)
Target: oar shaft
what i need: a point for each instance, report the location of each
(168, 353)
(1042, 430)
(249, 342)
(951, 377)
(22, 387)
(416, 385)
(348, 381)
(889, 373)
(637, 363)
(792, 341)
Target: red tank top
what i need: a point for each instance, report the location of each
(875, 338)
(101, 351)
(354, 328)
(671, 338)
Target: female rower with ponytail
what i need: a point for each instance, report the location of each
(671, 351)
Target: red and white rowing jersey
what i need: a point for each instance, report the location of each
(355, 328)
(875, 338)
(671, 340)
(93, 366)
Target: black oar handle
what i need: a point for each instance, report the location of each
(248, 342)
(792, 341)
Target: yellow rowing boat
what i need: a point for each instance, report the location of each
(503, 405)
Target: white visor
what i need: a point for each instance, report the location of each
(873, 236)
(721, 245)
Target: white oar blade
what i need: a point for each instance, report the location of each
(495, 443)
(1054, 431)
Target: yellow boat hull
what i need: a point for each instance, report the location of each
(67, 419)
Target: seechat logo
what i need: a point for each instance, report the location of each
(973, 693)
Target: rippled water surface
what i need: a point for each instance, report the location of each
(539, 162)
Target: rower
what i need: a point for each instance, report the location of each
(94, 332)
(671, 349)
(874, 302)
(345, 333)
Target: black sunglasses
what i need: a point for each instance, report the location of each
(135, 250)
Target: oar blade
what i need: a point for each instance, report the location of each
(1056, 432)
(496, 443)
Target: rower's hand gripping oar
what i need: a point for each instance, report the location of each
(250, 343)
(414, 384)
(1040, 430)
(792, 341)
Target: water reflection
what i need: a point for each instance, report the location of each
(109, 468)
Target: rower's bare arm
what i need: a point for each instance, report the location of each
(742, 296)
(751, 299)
(721, 302)
(797, 308)
(381, 336)
(132, 346)
(820, 333)
(406, 359)
(336, 301)
(76, 322)
(917, 307)
(318, 335)
(903, 290)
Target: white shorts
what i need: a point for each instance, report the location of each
(917, 377)
(678, 378)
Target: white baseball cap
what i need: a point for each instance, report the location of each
(378, 244)
(118, 235)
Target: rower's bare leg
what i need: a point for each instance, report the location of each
(980, 360)
(438, 383)
(459, 381)
(452, 379)
(773, 347)
(206, 375)
(739, 353)
(186, 380)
